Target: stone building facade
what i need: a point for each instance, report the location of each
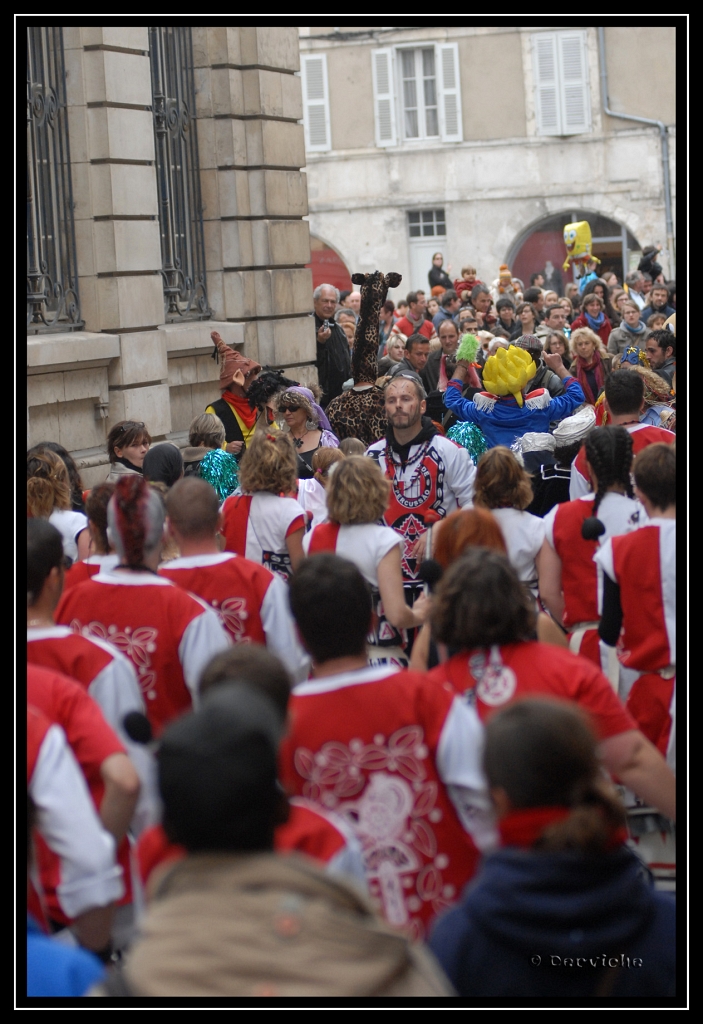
(470, 140)
(130, 359)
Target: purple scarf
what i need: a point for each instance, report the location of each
(322, 420)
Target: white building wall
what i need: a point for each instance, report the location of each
(492, 189)
(491, 192)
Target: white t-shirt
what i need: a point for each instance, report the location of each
(365, 546)
(523, 534)
(69, 524)
(270, 522)
(312, 496)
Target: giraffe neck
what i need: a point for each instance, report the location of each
(366, 340)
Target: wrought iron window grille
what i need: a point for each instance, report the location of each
(52, 277)
(178, 174)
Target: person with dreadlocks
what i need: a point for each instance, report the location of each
(623, 405)
(570, 584)
(237, 374)
(261, 395)
(167, 633)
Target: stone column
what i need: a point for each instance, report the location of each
(254, 192)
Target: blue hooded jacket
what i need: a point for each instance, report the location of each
(568, 911)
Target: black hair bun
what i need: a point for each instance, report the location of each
(592, 528)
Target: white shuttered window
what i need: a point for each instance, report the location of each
(384, 98)
(560, 66)
(316, 104)
(450, 93)
(417, 94)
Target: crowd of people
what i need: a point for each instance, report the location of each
(370, 690)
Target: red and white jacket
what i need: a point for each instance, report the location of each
(581, 578)
(84, 570)
(257, 525)
(251, 602)
(643, 564)
(168, 634)
(110, 678)
(492, 678)
(87, 874)
(65, 702)
(643, 434)
(319, 834)
(400, 759)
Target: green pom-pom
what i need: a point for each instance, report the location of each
(468, 348)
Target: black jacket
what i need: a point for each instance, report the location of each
(333, 361)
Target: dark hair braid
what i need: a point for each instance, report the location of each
(609, 451)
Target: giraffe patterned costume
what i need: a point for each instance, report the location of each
(355, 413)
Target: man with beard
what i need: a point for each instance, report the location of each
(430, 476)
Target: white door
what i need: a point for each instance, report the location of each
(426, 236)
(421, 253)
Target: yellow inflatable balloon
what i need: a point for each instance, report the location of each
(508, 371)
(578, 242)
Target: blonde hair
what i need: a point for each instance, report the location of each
(48, 484)
(357, 491)
(501, 482)
(206, 429)
(586, 332)
(269, 464)
(471, 271)
(322, 460)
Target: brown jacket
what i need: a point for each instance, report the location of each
(265, 925)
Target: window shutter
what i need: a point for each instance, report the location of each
(318, 138)
(449, 93)
(544, 52)
(575, 99)
(384, 98)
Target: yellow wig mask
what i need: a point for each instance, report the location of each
(508, 371)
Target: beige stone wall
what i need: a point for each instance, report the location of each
(129, 363)
(640, 59)
(492, 86)
(641, 65)
(503, 177)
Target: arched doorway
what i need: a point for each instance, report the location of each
(543, 243)
(328, 266)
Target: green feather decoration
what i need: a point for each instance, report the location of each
(468, 348)
(221, 471)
